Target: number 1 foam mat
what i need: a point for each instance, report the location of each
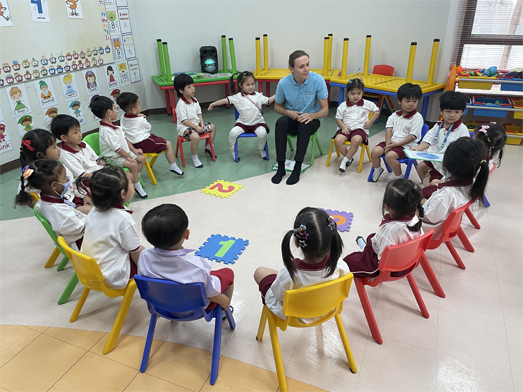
(223, 189)
(222, 248)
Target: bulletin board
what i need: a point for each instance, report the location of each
(55, 40)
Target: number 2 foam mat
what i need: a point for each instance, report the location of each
(223, 189)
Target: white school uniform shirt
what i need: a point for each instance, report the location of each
(403, 126)
(186, 110)
(249, 106)
(80, 162)
(109, 237)
(454, 132)
(64, 219)
(393, 232)
(135, 128)
(306, 275)
(179, 266)
(354, 116)
(112, 140)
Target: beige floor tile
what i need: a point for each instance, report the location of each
(13, 339)
(515, 348)
(76, 337)
(145, 382)
(37, 328)
(39, 365)
(128, 350)
(95, 373)
(317, 378)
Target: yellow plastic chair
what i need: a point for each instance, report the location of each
(148, 165)
(363, 148)
(323, 300)
(92, 278)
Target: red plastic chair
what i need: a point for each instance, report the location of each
(385, 70)
(204, 136)
(395, 258)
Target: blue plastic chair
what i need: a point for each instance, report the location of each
(180, 302)
(236, 115)
(407, 161)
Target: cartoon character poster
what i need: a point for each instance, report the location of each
(75, 109)
(25, 124)
(18, 99)
(74, 9)
(113, 22)
(124, 20)
(123, 74)
(45, 91)
(5, 140)
(91, 81)
(134, 71)
(128, 46)
(112, 77)
(40, 11)
(50, 113)
(69, 86)
(114, 95)
(118, 51)
(5, 14)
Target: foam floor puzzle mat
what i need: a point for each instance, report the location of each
(223, 189)
(343, 219)
(222, 248)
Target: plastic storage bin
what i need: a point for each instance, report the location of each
(515, 130)
(511, 86)
(471, 82)
(491, 103)
(517, 104)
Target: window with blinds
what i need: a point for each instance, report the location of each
(492, 34)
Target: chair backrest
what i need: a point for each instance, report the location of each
(48, 228)
(402, 257)
(453, 223)
(172, 299)
(424, 131)
(93, 140)
(383, 69)
(322, 300)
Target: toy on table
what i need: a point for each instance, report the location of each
(223, 249)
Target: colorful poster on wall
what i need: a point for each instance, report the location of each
(118, 51)
(45, 91)
(113, 22)
(74, 9)
(114, 95)
(50, 113)
(112, 78)
(5, 15)
(91, 81)
(5, 140)
(123, 74)
(128, 46)
(124, 20)
(121, 3)
(134, 71)
(69, 86)
(18, 99)
(39, 11)
(75, 109)
(110, 3)
(24, 123)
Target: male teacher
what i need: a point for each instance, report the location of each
(301, 99)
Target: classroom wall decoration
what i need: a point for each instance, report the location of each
(75, 109)
(25, 124)
(5, 14)
(69, 86)
(134, 71)
(128, 46)
(121, 3)
(114, 95)
(113, 22)
(118, 50)
(5, 140)
(40, 11)
(45, 91)
(50, 113)
(123, 73)
(124, 20)
(112, 78)
(90, 77)
(17, 96)
(74, 9)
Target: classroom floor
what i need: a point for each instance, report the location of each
(472, 341)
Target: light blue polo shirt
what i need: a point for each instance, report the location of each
(302, 98)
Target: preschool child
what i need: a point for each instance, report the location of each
(75, 154)
(465, 180)
(137, 130)
(403, 130)
(41, 144)
(249, 105)
(452, 104)
(110, 236)
(49, 177)
(353, 121)
(114, 147)
(493, 137)
(166, 228)
(189, 114)
(316, 234)
(401, 202)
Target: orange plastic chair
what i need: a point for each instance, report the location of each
(204, 136)
(91, 277)
(148, 165)
(395, 258)
(363, 148)
(324, 300)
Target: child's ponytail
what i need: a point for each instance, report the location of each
(39, 174)
(232, 84)
(288, 258)
(478, 188)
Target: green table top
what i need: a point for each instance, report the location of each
(198, 77)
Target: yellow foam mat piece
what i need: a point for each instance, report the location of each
(223, 189)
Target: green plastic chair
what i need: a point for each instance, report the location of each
(314, 139)
(74, 279)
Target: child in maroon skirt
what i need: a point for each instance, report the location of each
(400, 224)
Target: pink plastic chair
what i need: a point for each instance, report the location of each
(204, 136)
(395, 258)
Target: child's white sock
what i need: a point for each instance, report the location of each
(377, 174)
(263, 153)
(196, 161)
(345, 162)
(175, 169)
(399, 175)
(361, 243)
(233, 153)
(138, 188)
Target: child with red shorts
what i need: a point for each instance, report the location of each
(403, 130)
(166, 228)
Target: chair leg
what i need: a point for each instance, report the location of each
(472, 218)
(230, 319)
(52, 258)
(318, 143)
(149, 171)
(454, 253)
(148, 343)
(261, 327)
(153, 161)
(464, 240)
(79, 305)
(417, 294)
(361, 158)
(120, 318)
(329, 154)
(267, 150)
(179, 147)
(218, 322)
(407, 172)
(68, 289)
(487, 204)
(370, 174)
(346, 345)
(280, 372)
(209, 142)
(236, 151)
(312, 153)
(62, 264)
(431, 277)
(369, 315)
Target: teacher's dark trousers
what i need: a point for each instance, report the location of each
(287, 126)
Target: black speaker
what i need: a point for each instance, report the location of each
(209, 59)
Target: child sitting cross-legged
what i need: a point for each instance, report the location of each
(166, 228)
